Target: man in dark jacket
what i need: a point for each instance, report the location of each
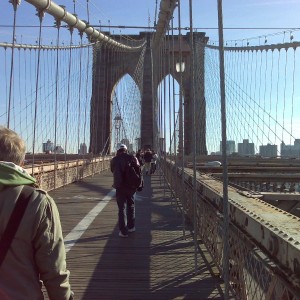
(124, 193)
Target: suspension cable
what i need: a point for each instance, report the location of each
(79, 101)
(15, 4)
(41, 16)
(68, 99)
(224, 155)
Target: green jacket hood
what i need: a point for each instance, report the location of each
(12, 174)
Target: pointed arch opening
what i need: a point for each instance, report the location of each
(169, 114)
(126, 114)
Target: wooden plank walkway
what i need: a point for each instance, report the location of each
(154, 262)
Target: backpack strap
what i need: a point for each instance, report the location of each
(14, 220)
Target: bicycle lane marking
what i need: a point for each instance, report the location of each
(71, 239)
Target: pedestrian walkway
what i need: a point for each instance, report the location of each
(155, 262)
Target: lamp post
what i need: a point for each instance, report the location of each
(180, 68)
(118, 121)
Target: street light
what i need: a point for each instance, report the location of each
(180, 67)
(118, 121)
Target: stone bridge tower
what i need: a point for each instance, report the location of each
(109, 66)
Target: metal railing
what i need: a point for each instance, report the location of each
(264, 241)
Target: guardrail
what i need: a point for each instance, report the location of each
(264, 241)
(53, 175)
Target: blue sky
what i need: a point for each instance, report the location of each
(236, 13)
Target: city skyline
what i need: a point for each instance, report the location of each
(247, 148)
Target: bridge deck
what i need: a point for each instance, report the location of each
(155, 262)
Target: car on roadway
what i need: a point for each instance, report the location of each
(214, 163)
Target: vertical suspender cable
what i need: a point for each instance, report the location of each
(169, 91)
(106, 61)
(58, 23)
(284, 94)
(180, 112)
(88, 12)
(86, 94)
(20, 92)
(160, 96)
(270, 95)
(96, 74)
(170, 46)
(87, 75)
(15, 4)
(41, 15)
(102, 89)
(163, 95)
(224, 156)
(162, 89)
(79, 101)
(68, 100)
(293, 93)
(194, 140)
(166, 94)
(173, 102)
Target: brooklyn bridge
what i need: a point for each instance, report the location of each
(220, 218)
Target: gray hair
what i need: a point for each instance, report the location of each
(12, 147)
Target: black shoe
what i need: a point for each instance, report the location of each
(123, 235)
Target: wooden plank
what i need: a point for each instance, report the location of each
(155, 262)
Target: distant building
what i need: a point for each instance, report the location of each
(216, 153)
(48, 147)
(130, 149)
(82, 149)
(268, 150)
(230, 147)
(59, 150)
(290, 150)
(246, 148)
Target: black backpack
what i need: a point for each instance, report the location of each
(132, 173)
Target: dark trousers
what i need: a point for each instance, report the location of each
(153, 168)
(125, 200)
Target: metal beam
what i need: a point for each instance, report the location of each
(165, 14)
(275, 230)
(60, 14)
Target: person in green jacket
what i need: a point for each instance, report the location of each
(37, 254)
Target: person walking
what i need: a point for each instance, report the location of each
(140, 156)
(147, 159)
(125, 192)
(35, 252)
(154, 162)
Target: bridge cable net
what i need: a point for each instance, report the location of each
(58, 91)
(261, 109)
(256, 82)
(261, 95)
(126, 113)
(47, 91)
